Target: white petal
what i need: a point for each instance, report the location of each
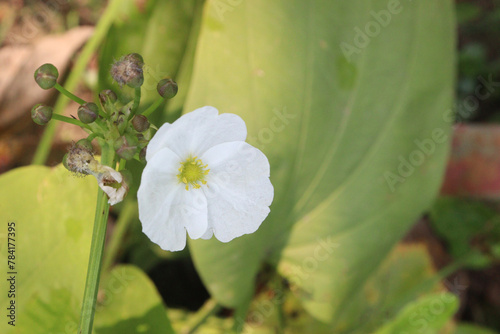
(166, 208)
(208, 234)
(197, 131)
(158, 141)
(115, 195)
(239, 191)
(189, 209)
(157, 182)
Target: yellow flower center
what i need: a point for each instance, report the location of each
(192, 172)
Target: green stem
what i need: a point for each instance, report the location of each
(153, 107)
(126, 216)
(123, 163)
(88, 51)
(137, 99)
(96, 251)
(206, 311)
(68, 94)
(70, 120)
(92, 136)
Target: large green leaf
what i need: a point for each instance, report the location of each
(357, 142)
(426, 315)
(464, 328)
(130, 304)
(405, 275)
(54, 214)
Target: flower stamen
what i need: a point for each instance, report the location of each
(192, 172)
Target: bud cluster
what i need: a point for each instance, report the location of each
(113, 123)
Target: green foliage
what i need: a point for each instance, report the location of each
(472, 329)
(354, 125)
(470, 228)
(426, 315)
(405, 276)
(159, 32)
(52, 251)
(52, 243)
(130, 304)
(336, 127)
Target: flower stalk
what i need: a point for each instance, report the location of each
(68, 94)
(96, 252)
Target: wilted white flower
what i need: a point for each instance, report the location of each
(80, 160)
(112, 183)
(202, 177)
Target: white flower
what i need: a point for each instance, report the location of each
(202, 177)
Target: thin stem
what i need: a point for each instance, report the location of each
(122, 165)
(88, 51)
(92, 136)
(206, 311)
(137, 99)
(126, 216)
(153, 107)
(96, 251)
(68, 94)
(70, 120)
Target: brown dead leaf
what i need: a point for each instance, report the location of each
(18, 90)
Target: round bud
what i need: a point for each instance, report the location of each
(65, 161)
(167, 88)
(126, 146)
(107, 95)
(88, 112)
(140, 123)
(85, 144)
(128, 70)
(46, 76)
(41, 114)
(135, 58)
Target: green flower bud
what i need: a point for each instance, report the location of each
(41, 114)
(107, 95)
(85, 144)
(46, 76)
(140, 123)
(126, 146)
(65, 161)
(167, 88)
(121, 122)
(88, 112)
(128, 70)
(134, 57)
